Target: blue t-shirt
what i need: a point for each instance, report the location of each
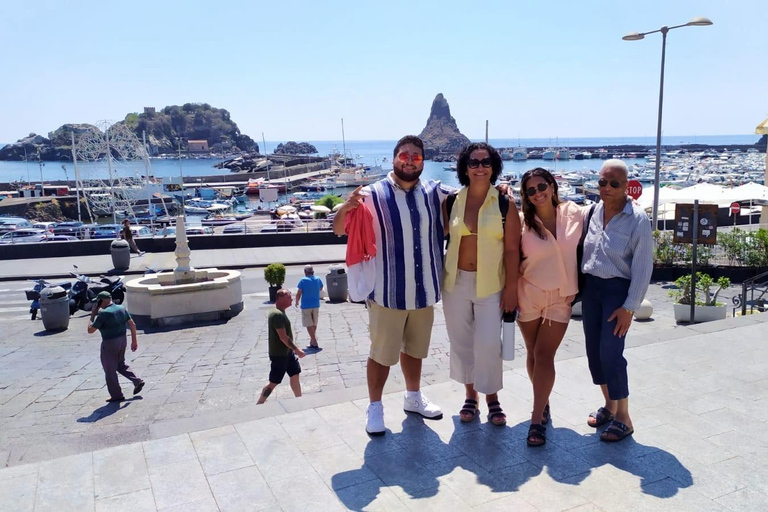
(310, 287)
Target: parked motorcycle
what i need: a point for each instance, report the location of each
(85, 290)
(34, 295)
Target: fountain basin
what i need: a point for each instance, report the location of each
(204, 295)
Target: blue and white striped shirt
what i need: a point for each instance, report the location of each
(623, 248)
(408, 225)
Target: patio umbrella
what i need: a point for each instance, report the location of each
(338, 207)
(286, 209)
(320, 208)
(762, 129)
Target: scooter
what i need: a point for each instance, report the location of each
(34, 295)
(85, 290)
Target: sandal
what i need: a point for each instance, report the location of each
(601, 417)
(468, 412)
(616, 432)
(537, 435)
(495, 414)
(547, 415)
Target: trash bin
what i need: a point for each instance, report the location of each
(336, 283)
(121, 254)
(54, 308)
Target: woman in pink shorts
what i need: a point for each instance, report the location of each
(547, 284)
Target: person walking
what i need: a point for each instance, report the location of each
(111, 321)
(479, 277)
(283, 351)
(127, 235)
(408, 227)
(310, 288)
(617, 264)
(547, 286)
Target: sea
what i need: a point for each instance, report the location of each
(371, 152)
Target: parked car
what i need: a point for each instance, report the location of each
(141, 232)
(47, 226)
(24, 236)
(237, 228)
(12, 223)
(71, 228)
(106, 231)
(199, 230)
(61, 238)
(166, 232)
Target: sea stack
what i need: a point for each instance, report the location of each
(442, 138)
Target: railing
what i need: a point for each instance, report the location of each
(754, 292)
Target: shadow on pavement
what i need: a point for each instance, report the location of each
(498, 458)
(107, 410)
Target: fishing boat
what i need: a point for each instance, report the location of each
(520, 154)
(549, 154)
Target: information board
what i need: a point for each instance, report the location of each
(707, 227)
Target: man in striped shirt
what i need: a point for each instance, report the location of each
(408, 226)
(617, 263)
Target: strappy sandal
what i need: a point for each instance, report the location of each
(468, 411)
(601, 417)
(616, 432)
(537, 435)
(547, 415)
(495, 414)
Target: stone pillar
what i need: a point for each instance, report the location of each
(183, 273)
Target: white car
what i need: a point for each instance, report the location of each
(199, 230)
(23, 236)
(141, 232)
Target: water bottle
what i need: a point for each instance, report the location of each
(508, 335)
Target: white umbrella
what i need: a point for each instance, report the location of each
(320, 208)
(286, 209)
(338, 207)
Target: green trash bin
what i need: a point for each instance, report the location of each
(54, 308)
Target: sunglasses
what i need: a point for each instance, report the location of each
(602, 182)
(474, 163)
(541, 187)
(413, 157)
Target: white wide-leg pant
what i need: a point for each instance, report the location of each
(474, 331)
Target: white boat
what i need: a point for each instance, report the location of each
(451, 167)
(520, 154)
(549, 154)
(563, 154)
(506, 154)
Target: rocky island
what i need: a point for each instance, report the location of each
(441, 136)
(211, 128)
(295, 148)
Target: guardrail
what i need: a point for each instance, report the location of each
(757, 285)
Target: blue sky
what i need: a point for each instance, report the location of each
(292, 69)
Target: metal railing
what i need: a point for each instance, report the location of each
(754, 293)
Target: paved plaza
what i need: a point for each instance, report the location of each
(195, 440)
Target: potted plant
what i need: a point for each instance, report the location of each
(274, 274)
(707, 309)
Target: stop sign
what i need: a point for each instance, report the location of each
(634, 189)
(735, 208)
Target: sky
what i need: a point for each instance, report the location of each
(292, 69)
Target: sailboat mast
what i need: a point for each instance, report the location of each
(343, 142)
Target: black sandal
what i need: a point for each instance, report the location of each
(496, 414)
(617, 429)
(537, 435)
(547, 415)
(470, 407)
(602, 416)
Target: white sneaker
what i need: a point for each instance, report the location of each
(420, 404)
(374, 423)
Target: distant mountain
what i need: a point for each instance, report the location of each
(191, 121)
(441, 135)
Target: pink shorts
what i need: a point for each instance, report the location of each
(535, 303)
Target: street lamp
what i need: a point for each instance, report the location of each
(636, 36)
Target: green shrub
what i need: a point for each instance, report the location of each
(274, 274)
(329, 201)
(704, 284)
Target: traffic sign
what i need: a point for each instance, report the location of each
(634, 189)
(735, 208)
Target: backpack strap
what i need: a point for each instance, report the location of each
(585, 228)
(503, 208)
(449, 202)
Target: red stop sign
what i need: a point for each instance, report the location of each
(634, 189)
(735, 208)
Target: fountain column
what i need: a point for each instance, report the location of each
(183, 273)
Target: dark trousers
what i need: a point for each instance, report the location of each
(113, 362)
(605, 351)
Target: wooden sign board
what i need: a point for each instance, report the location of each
(684, 229)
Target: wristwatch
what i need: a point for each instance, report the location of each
(629, 311)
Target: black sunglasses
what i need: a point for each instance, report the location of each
(603, 182)
(474, 163)
(531, 191)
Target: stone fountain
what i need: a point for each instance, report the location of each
(186, 295)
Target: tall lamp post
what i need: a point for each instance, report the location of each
(635, 36)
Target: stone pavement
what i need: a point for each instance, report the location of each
(699, 397)
(52, 386)
(11, 270)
